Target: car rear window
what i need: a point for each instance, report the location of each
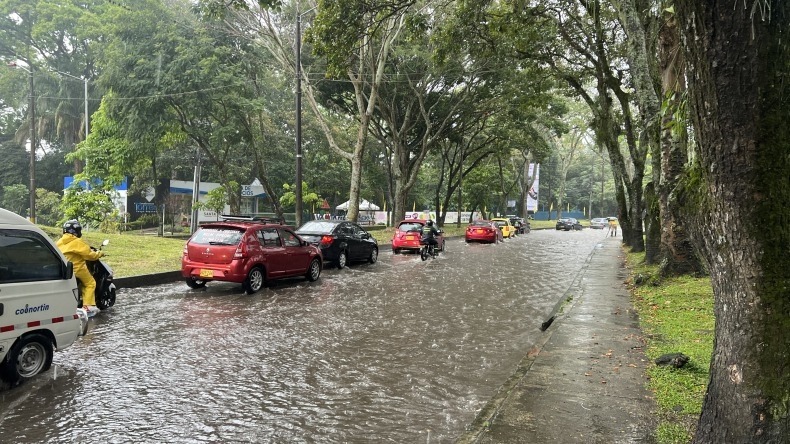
(500, 223)
(410, 226)
(217, 236)
(481, 223)
(318, 226)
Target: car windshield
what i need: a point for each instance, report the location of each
(410, 226)
(217, 236)
(317, 226)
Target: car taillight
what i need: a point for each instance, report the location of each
(327, 240)
(241, 251)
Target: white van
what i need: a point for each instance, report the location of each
(38, 300)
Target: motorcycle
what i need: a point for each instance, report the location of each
(428, 250)
(105, 288)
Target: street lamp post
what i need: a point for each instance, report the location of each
(299, 115)
(33, 141)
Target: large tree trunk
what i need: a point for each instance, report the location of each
(643, 74)
(737, 57)
(677, 253)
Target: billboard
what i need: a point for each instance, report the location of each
(534, 180)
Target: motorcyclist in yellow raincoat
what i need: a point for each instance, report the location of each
(77, 251)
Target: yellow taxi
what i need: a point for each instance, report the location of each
(508, 230)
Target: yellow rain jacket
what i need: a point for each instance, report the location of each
(77, 251)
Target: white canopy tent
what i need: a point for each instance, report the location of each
(364, 205)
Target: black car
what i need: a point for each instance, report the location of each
(340, 241)
(568, 224)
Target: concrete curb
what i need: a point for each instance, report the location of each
(148, 280)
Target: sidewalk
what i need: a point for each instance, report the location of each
(584, 380)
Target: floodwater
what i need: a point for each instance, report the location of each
(401, 351)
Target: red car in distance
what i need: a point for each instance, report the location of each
(483, 231)
(407, 236)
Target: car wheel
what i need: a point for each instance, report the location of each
(106, 300)
(30, 355)
(374, 255)
(342, 258)
(255, 280)
(195, 283)
(395, 251)
(314, 270)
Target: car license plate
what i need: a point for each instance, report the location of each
(411, 237)
(206, 273)
(478, 231)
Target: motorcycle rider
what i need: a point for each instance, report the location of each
(428, 233)
(77, 251)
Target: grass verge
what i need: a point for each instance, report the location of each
(676, 315)
(134, 254)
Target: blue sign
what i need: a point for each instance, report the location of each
(145, 207)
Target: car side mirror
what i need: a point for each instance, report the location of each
(69, 270)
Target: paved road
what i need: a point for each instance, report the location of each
(399, 351)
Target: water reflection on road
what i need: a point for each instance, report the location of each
(401, 351)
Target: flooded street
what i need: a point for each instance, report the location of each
(401, 351)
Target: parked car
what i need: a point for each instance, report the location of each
(249, 252)
(508, 230)
(407, 236)
(483, 231)
(599, 223)
(568, 224)
(340, 241)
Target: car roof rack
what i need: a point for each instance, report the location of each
(257, 219)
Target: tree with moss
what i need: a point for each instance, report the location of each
(736, 196)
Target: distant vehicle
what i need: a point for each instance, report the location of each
(508, 230)
(407, 236)
(599, 223)
(483, 231)
(568, 224)
(340, 241)
(520, 224)
(249, 252)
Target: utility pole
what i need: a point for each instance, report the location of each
(298, 119)
(33, 145)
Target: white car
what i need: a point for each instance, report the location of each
(38, 300)
(599, 223)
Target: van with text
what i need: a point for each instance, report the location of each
(38, 300)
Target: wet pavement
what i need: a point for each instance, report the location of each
(584, 381)
(400, 351)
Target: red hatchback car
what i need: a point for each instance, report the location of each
(407, 236)
(248, 252)
(483, 231)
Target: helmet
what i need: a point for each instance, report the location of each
(73, 227)
(430, 223)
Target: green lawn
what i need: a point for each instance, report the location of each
(132, 253)
(676, 315)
